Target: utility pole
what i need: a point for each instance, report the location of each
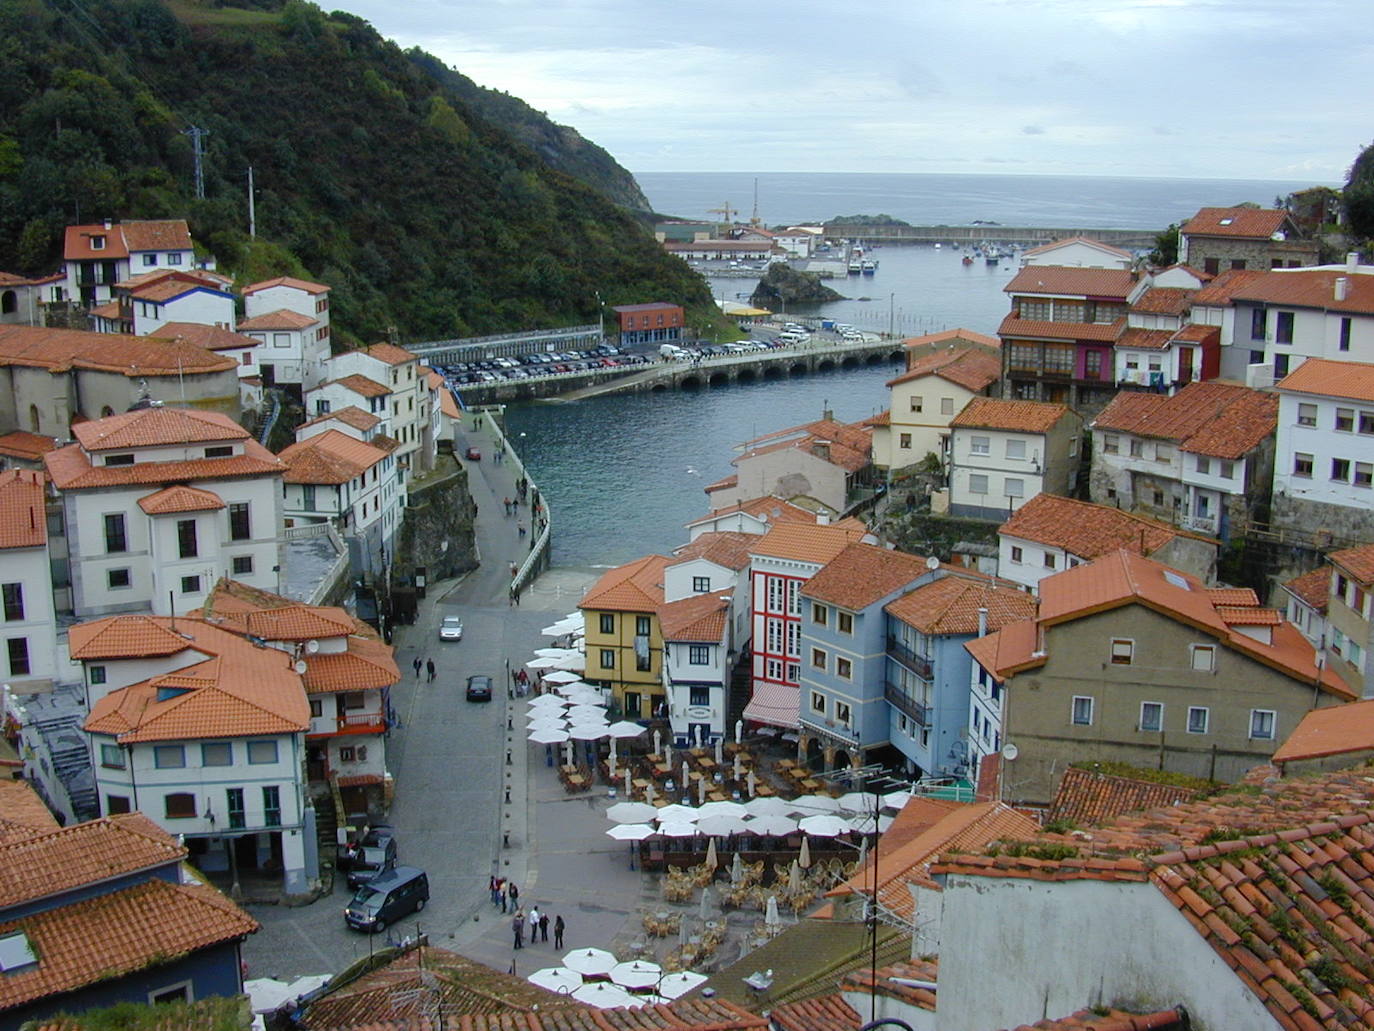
(252, 214)
(890, 328)
(197, 134)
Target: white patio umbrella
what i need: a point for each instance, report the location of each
(864, 823)
(581, 694)
(561, 676)
(576, 662)
(572, 687)
(631, 812)
(771, 825)
(605, 996)
(548, 736)
(554, 653)
(545, 719)
(804, 856)
(679, 983)
(677, 830)
(735, 809)
(639, 973)
(577, 616)
(631, 832)
(770, 805)
(542, 662)
(595, 712)
(626, 728)
(824, 825)
(557, 629)
(721, 825)
(590, 961)
(857, 802)
(896, 799)
(556, 979)
(677, 813)
(811, 805)
(589, 731)
(545, 701)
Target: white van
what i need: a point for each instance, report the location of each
(793, 337)
(671, 352)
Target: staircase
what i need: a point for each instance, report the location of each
(741, 687)
(71, 762)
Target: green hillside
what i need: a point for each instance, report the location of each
(377, 171)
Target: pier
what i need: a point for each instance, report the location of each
(971, 235)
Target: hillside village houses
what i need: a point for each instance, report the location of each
(1216, 239)
(145, 302)
(624, 643)
(96, 257)
(30, 623)
(290, 318)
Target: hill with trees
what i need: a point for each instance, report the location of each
(425, 202)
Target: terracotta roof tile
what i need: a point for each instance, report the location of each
(1096, 332)
(1312, 588)
(291, 281)
(1248, 616)
(1163, 300)
(235, 604)
(1089, 797)
(360, 384)
(329, 457)
(388, 353)
(167, 234)
(1071, 281)
(26, 445)
(1357, 562)
(71, 469)
(950, 605)
(895, 982)
(1218, 293)
(951, 336)
(110, 935)
(861, 574)
(1312, 288)
(125, 637)
(1235, 223)
(58, 350)
(22, 813)
(1114, 1020)
(701, 618)
(23, 519)
(77, 243)
(212, 338)
(180, 498)
(883, 418)
(706, 1014)
(848, 446)
(203, 277)
(825, 1013)
(1353, 380)
(366, 665)
(282, 318)
(724, 548)
(168, 288)
(634, 587)
(1145, 339)
(350, 415)
(817, 543)
(154, 427)
(1023, 416)
(1339, 730)
(723, 483)
(1233, 596)
(767, 509)
(1221, 420)
(1197, 333)
(1087, 530)
(972, 368)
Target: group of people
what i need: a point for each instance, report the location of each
(427, 664)
(506, 894)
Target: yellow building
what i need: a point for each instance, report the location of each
(624, 642)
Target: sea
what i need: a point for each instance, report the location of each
(624, 474)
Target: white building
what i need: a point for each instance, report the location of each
(714, 562)
(96, 257)
(159, 503)
(224, 342)
(410, 407)
(1003, 453)
(291, 317)
(353, 391)
(26, 598)
(697, 661)
(944, 372)
(1078, 252)
(210, 745)
(143, 303)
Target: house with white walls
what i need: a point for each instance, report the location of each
(944, 372)
(698, 658)
(409, 402)
(96, 257)
(1078, 252)
(1003, 453)
(710, 562)
(26, 595)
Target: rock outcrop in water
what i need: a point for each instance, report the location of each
(782, 284)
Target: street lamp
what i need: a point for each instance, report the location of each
(600, 319)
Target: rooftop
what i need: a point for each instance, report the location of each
(700, 617)
(1097, 332)
(1215, 418)
(1220, 291)
(329, 457)
(950, 605)
(1054, 245)
(722, 547)
(291, 281)
(22, 444)
(1088, 796)
(1353, 380)
(282, 318)
(23, 517)
(61, 350)
(997, 414)
(212, 338)
(1236, 223)
(1070, 281)
(1311, 288)
(1087, 530)
(815, 543)
(1312, 588)
(157, 427)
(1339, 730)
(862, 574)
(972, 368)
(634, 587)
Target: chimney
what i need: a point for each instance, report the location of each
(1352, 262)
(109, 224)
(982, 621)
(1342, 287)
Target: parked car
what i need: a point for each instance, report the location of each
(479, 688)
(451, 629)
(387, 898)
(371, 860)
(473, 454)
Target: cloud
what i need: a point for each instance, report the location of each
(1033, 130)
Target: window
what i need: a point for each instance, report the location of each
(1123, 651)
(1197, 719)
(842, 713)
(1366, 423)
(980, 446)
(1283, 328)
(608, 658)
(190, 585)
(1204, 465)
(1344, 343)
(1238, 263)
(1281, 362)
(173, 257)
(1136, 449)
(186, 538)
(818, 702)
(1111, 443)
(818, 658)
(904, 441)
(1340, 469)
(308, 497)
(1262, 724)
(169, 757)
(219, 753)
(233, 802)
(1082, 712)
(180, 805)
(1016, 450)
(1302, 464)
(117, 804)
(818, 614)
(112, 757)
(641, 626)
(14, 602)
(1345, 419)
(1014, 488)
(978, 484)
(221, 451)
(1211, 265)
(917, 404)
(1307, 414)
(1227, 470)
(607, 622)
(774, 669)
(946, 406)
(95, 674)
(1151, 716)
(271, 806)
(321, 406)
(18, 648)
(316, 708)
(241, 564)
(844, 669)
(1050, 560)
(699, 695)
(116, 539)
(844, 622)
(238, 521)
(1203, 657)
(1016, 553)
(701, 584)
(1364, 472)
(698, 654)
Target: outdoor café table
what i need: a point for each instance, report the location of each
(706, 762)
(810, 784)
(765, 791)
(800, 773)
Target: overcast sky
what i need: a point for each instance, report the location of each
(1252, 89)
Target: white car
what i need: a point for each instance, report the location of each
(451, 629)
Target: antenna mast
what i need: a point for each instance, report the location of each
(754, 219)
(197, 134)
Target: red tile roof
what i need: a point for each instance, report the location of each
(1070, 281)
(634, 587)
(824, 1013)
(1054, 245)
(1312, 288)
(700, 618)
(157, 427)
(1114, 1020)
(1218, 293)
(1354, 380)
(28, 446)
(1312, 588)
(816, 543)
(1236, 223)
(23, 518)
(360, 384)
(298, 284)
(848, 446)
(77, 243)
(862, 574)
(212, 338)
(350, 415)
(329, 457)
(388, 353)
(972, 368)
(366, 665)
(125, 637)
(235, 605)
(950, 605)
(71, 469)
(896, 982)
(1222, 420)
(1339, 730)
(1145, 339)
(1197, 333)
(1163, 300)
(282, 318)
(59, 350)
(768, 509)
(724, 548)
(23, 814)
(1021, 416)
(951, 336)
(167, 234)
(1087, 530)
(1089, 797)
(1013, 327)
(180, 498)
(1358, 562)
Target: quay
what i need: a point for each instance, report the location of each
(972, 235)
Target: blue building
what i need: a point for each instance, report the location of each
(927, 679)
(99, 913)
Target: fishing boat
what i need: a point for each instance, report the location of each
(968, 259)
(992, 256)
(868, 267)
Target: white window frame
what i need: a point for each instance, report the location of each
(819, 659)
(844, 668)
(1206, 719)
(818, 703)
(184, 986)
(1196, 651)
(1158, 708)
(978, 484)
(980, 445)
(1016, 450)
(1273, 725)
(1073, 710)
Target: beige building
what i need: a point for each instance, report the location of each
(1131, 661)
(1348, 611)
(823, 461)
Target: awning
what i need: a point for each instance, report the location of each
(775, 705)
(360, 780)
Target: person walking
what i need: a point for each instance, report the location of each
(521, 527)
(518, 926)
(505, 895)
(429, 665)
(418, 664)
(558, 932)
(543, 927)
(495, 886)
(534, 925)
(514, 894)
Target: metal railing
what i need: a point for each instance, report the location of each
(918, 664)
(904, 703)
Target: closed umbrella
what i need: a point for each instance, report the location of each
(590, 961)
(679, 983)
(701, 792)
(631, 812)
(548, 736)
(711, 860)
(751, 784)
(794, 877)
(736, 869)
(556, 979)
(770, 913)
(631, 832)
(626, 728)
(604, 996)
(804, 859)
(639, 973)
(824, 826)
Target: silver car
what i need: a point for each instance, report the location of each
(451, 629)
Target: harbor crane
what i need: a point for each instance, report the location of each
(726, 212)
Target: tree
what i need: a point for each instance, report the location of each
(1166, 248)
(1359, 195)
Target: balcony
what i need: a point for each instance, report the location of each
(904, 703)
(1201, 524)
(918, 664)
(350, 723)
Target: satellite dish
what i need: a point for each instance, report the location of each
(932, 562)
(312, 646)
(300, 667)
(1010, 751)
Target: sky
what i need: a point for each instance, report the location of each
(1246, 89)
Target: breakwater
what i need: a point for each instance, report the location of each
(971, 235)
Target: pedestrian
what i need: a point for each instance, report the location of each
(515, 597)
(505, 895)
(429, 665)
(558, 932)
(495, 886)
(522, 531)
(417, 664)
(518, 926)
(534, 925)
(522, 679)
(543, 927)
(513, 570)
(514, 894)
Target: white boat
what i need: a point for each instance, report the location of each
(855, 267)
(868, 267)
